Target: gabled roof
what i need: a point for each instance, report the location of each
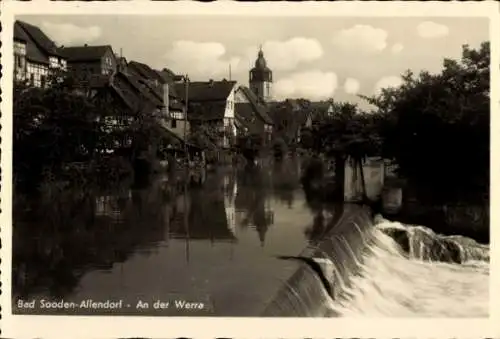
(121, 63)
(85, 53)
(19, 33)
(95, 81)
(129, 91)
(156, 90)
(148, 93)
(261, 110)
(35, 54)
(38, 46)
(137, 93)
(245, 115)
(206, 110)
(145, 71)
(166, 74)
(319, 109)
(206, 90)
(289, 117)
(147, 74)
(42, 41)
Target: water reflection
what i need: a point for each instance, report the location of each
(64, 237)
(252, 201)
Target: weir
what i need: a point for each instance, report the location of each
(339, 255)
(350, 266)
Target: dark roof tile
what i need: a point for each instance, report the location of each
(167, 74)
(95, 81)
(259, 108)
(208, 110)
(19, 33)
(144, 71)
(85, 53)
(148, 74)
(42, 41)
(245, 115)
(34, 54)
(206, 91)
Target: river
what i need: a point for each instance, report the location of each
(219, 244)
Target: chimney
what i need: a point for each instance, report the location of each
(85, 45)
(166, 100)
(211, 82)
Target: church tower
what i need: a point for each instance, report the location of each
(261, 78)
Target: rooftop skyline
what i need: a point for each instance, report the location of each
(311, 57)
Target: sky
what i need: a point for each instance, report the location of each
(311, 57)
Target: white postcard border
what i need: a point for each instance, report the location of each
(23, 326)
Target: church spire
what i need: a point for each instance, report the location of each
(261, 77)
(261, 61)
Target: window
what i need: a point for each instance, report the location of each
(19, 48)
(32, 79)
(174, 123)
(53, 62)
(177, 115)
(43, 80)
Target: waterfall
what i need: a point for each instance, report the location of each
(383, 268)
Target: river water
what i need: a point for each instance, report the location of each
(219, 243)
(395, 285)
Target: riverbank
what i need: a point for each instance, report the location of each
(468, 218)
(395, 197)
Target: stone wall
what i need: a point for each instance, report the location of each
(373, 170)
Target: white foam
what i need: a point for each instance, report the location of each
(389, 284)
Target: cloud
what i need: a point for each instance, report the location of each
(210, 59)
(285, 55)
(386, 82)
(70, 34)
(313, 85)
(361, 38)
(430, 30)
(351, 86)
(397, 48)
(200, 59)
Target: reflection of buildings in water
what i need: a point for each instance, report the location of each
(112, 206)
(57, 253)
(207, 218)
(231, 190)
(286, 180)
(253, 204)
(263, 227)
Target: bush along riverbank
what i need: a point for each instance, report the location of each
(434, 129)
(464, 216)
(396, 199)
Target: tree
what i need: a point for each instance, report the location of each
(250, 145)
(436, 126)
(346, 134)
(64, 123)
(52, 126)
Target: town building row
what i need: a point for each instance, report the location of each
(136, 88)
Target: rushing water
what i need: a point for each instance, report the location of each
(221, 243)
(392, 283)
